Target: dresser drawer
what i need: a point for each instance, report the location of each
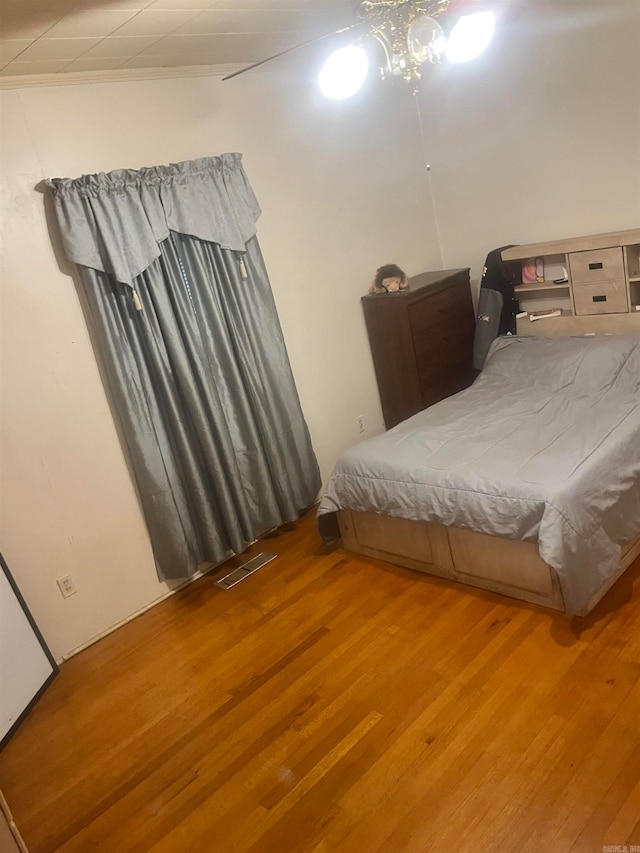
(601, 297)
(441, 310)
(437, 347)
(596, 266)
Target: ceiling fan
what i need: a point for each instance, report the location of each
(411, 33)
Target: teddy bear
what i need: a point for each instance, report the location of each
(389, 279)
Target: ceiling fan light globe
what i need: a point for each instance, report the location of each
(344, 72)
(470, 36)
(426, 40)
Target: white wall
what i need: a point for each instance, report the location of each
(337, 184)
(540, 137)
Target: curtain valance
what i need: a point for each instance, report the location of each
(114, 221)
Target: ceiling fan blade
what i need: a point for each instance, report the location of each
(296, 47)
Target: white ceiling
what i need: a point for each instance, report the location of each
(64, 36)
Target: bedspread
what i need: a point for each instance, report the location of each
(543, 447)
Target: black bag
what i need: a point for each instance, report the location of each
(497, 305)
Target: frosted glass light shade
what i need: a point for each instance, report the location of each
(470, 36)
(425, 39)
(344, 72)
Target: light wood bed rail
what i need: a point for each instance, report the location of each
(499, 565)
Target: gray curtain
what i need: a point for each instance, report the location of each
(194, 356)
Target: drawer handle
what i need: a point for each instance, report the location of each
(599, 298)
(597, 266)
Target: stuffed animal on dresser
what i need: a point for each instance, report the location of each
(389, 279)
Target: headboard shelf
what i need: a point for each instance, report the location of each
(594, 324)
(537, 288)
(594, 281)
(573, 244)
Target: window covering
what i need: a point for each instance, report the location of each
(113, 222)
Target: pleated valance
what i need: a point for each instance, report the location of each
(114, 221)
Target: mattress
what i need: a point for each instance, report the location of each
(544, 447)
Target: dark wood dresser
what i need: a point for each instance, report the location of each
(421, 341)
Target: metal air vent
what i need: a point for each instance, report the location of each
(245, 570)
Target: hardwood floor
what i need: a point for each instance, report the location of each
(336, 704)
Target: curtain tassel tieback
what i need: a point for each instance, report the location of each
(243, 269)
(136, 300)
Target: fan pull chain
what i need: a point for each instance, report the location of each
(427, 170)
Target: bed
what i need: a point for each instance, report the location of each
(526, 484)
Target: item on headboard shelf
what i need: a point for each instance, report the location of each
(533, 271)
(545, 314)
(563, 277)
(389, 279)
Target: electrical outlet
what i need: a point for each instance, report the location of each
(67, 586)
(360, 422)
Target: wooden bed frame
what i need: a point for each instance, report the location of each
(505, 566)
(499, 565)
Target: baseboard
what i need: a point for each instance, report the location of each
(135, 614)
(14, 835)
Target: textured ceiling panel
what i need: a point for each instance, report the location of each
(63, 36)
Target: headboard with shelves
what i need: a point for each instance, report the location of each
(632, 263)
(594, 281)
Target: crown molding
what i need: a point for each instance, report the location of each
(118, 75)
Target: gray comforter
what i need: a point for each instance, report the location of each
(545, 446)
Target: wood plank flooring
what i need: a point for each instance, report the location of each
(336, 704)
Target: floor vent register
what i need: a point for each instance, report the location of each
(245, 570)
